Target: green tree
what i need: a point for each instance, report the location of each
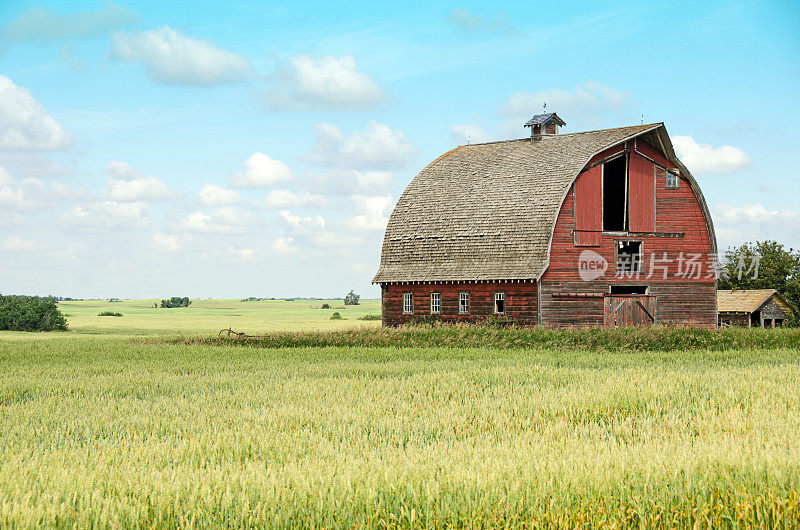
(176, 301)
(31, 313)
(351, 298)
(763, 265)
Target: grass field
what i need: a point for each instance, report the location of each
(108, 431)
(119, 424)
(210, 316)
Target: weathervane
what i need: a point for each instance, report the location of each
(544, 108)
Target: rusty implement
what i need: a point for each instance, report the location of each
(230, 334)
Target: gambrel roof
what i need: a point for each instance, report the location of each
(487, 211)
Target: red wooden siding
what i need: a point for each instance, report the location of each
(641, 194)
(680, 228)
(588, 207)
(521, 301)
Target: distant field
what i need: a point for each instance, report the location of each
(113, 432)
(210, 316)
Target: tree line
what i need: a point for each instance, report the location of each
(176, 301)
(30, 313)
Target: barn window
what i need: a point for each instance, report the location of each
(436, 303)
(463, 303)
(670, 177)
(500, 303)
(615, 195)
(408, 303)
(629, 256)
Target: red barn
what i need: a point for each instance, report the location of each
(582, 229)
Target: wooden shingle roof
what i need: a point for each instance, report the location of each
(744, 301)
(487, 211)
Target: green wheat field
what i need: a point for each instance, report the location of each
(120, 423)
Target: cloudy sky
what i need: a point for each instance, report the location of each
(233, 149)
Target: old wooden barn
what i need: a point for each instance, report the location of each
(582, 229)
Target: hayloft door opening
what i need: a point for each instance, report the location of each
(615, 195)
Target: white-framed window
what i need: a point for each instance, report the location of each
(670, 176)
(500, 303)
(463, 303)
(408, 303)
(436, 303)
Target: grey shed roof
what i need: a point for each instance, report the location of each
(541, 119)
(487, 211)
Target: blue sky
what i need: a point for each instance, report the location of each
(250, 149)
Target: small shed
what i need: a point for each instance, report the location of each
(756, 308)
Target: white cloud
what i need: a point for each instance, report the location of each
(165, 242)
(105, 216)
(464, 20)
(305, 82)
(754, 214)
(40, 23)
(5, 178)
(171, 57)
(468, 134)
(706, 159)
(14, 199)
(330, 240)
(129, 185)
(288, 199)
(24, 122)
(19, 199)
(284, 246)
(372, 213)
(220, 221)
(735, 224)
(51, 190)
(32, 164)
(122, 170)
(214, 195)
(302, 223)
(261, 171)
(9, 218)
(17, 244)
(590, 103)
(359, 266)
(377, 147)
(33, 194)
(353, 182)
(243, 254)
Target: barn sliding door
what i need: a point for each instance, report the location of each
(624, 311)
(588, 207)
(641, 195)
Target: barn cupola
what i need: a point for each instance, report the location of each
(544, 124)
